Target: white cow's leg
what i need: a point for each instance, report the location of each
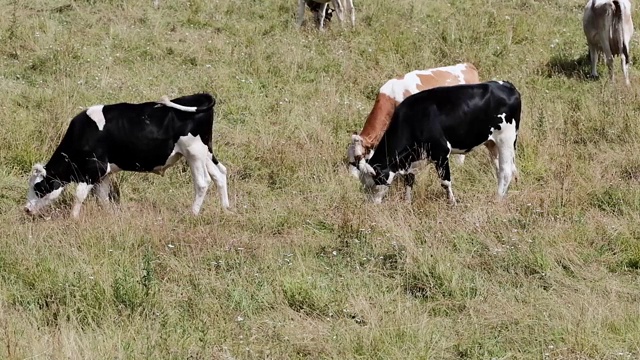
(608, 56)
(625, 67)
(201, 181)
(352, 11)
(301, 5)
(82, 190)
(219, 175)
(505, 141)
(593, 55)
(321, 15)
(339, 11)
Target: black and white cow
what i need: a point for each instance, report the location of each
(434, 123)
(146, 137)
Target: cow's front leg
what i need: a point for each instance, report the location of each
(82, 190)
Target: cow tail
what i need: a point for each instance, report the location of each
(618, 25)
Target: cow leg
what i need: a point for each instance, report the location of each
(301, 5)
(82, 190)
(106, 191)
(505, 141)
(625, 68)
(201, 181)
(321, 15)
(409, 180)
(460, 159)
(493, 155)
(444, 172)
(219, 174)
(339, 11)
(608, 56)
(593, 55)
(352, 11)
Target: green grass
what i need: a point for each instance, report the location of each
(306, 268)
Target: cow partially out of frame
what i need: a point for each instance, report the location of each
(144, 137)
(608, 27)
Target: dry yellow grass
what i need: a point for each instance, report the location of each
(306, 268)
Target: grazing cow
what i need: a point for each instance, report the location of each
(608, 27)
(392, 93)
(146, 137)
(434, 123)
(319, 7)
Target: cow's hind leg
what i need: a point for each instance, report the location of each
(440, 157)
(625, 63)
(107, 190)
(493, 156)
(608, 56)
(505, 141)
(219, 174)
(593, 56)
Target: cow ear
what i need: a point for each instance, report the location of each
(38, 170)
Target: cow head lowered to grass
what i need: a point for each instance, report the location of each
(145, 137)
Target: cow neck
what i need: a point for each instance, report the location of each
(60, 167)
(377, 121)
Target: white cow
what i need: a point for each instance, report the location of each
(321, 6)
(608, 27)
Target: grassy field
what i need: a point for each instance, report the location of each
(305, 268)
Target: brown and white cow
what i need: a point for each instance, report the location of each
(391, 94)
(608, 27)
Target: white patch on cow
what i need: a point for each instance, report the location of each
(398, 88)
(500, 82)
(458, 71)
(391, 176)
(165, 101)
(95, 113)
(503, 116)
